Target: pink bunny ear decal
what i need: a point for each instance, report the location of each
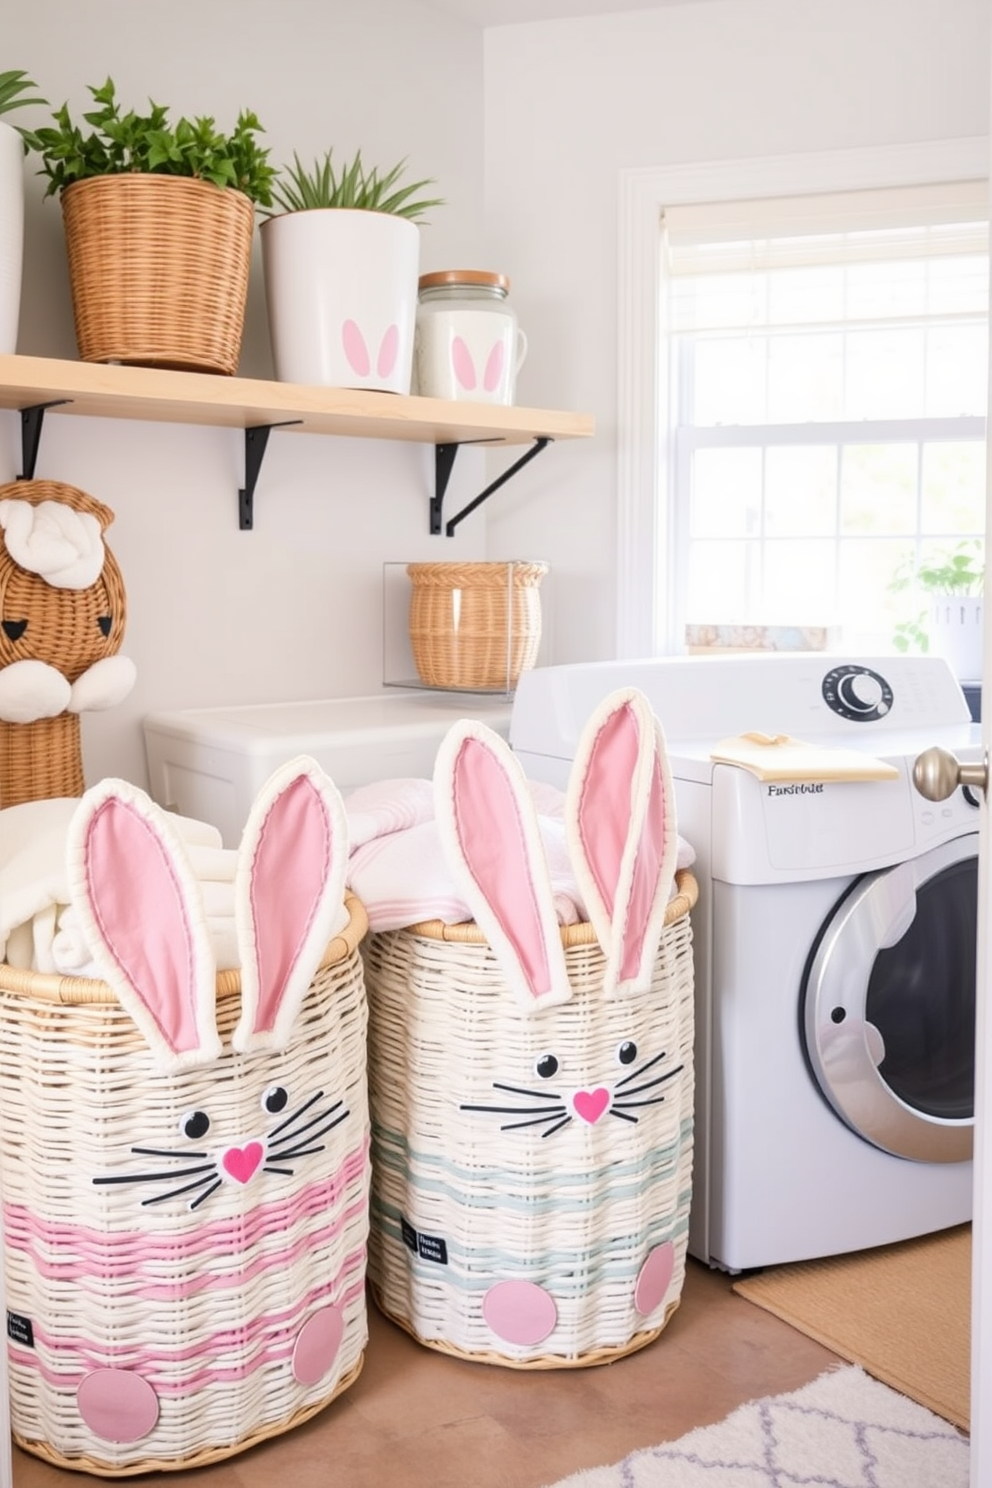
(620, 821)
(141, 910)
(492, 840)
(288, 898)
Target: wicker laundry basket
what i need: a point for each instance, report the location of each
(157, 1319)
(503, 1230)
(474, 626)
(158, 268)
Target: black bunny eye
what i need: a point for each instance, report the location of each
(105, 622)
(627, 1052)
(14, 629)
(274, 1099)
(546, 1066)
(194, 1124)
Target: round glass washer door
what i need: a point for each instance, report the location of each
(888, 1005)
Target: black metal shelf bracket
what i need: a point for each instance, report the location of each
(32, 420)
(256, 440)
(444, 460)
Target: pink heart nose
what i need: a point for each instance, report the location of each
(241, 1162)
(590, 1104)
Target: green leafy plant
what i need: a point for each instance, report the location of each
(355, 186)
(959, 571)
(118, 142)
(13, 86)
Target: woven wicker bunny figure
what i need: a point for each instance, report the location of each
(62, 617)
(533, 1117)
(186, 1181)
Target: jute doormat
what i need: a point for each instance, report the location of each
(903, 1312)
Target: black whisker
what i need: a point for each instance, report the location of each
(538, 1121)
(622, 1115)
(653, 1100)
(306, 1134)
(197, 1202)
(286, 1172)
(649, 1084)
(295, 1116)
(174, 1193)
(294, 1136)
(534, 1094)
(296, 1152)
(637, 1073)
(552, 1129)
(510, 1110)
(156, 1177)
(167, 1152)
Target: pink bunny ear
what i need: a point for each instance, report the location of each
(620, 821)
(490, 834)
(141, 911)
(288, 897)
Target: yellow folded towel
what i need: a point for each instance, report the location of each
(780, 757)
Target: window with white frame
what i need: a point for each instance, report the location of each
(828, 388)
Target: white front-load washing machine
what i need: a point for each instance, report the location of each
(834, 943)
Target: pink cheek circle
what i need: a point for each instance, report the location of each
(519, 1312)
(654, 1279)
(317, 1345)
(117, 1405)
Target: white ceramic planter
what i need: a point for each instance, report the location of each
(956, 634)
(341, 288)
(11, 235)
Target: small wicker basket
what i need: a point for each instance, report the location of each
(474, 626)
(482, 1189)
(224, 1324)
(158, 268)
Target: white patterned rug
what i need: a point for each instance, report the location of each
(845, 1430)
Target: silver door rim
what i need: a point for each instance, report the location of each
(840, 1053)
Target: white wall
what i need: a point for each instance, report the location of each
(571, 104)
(292, 609)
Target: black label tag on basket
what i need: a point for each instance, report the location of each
(19, 1329)
(428, 1247)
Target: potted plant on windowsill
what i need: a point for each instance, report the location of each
(16, 90)
(950, 623)
(341, 257)
(158, 222)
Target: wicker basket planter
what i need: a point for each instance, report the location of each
(158, 268)
(474, 626)
(146, 1332)
(484, 1192)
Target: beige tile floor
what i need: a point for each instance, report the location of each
(416, 1418)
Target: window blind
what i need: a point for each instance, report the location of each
(904, 254)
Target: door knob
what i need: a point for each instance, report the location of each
(937, 774)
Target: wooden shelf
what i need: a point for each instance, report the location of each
(98, 391)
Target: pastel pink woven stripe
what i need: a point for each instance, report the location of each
(25, 1231)
(159, 1365)
(211, 1281)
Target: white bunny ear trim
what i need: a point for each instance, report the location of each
(491, 837)
(622, 834)
(288, 897)
(141, 911)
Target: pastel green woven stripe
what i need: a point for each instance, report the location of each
(506, 1187)
(472, 1268)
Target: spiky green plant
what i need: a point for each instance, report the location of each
(301, 190)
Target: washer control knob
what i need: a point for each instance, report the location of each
(937, 774)
(861, 690)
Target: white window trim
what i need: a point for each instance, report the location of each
(643, 459)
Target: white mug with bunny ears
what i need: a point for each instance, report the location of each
(186, 1178)
(532, 1085)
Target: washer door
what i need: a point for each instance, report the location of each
(888, 1005)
